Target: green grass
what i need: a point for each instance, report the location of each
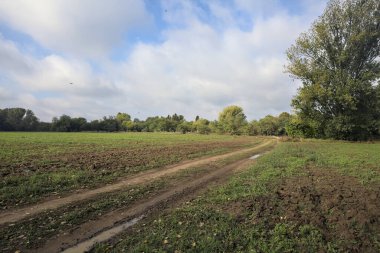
(229, 219)
(33, 165)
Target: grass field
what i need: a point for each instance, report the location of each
(36, 165)
(311, 196)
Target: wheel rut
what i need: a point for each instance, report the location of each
(85, 236)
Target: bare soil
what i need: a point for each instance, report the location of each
(121, 158)
(14, 215)
(346, 212)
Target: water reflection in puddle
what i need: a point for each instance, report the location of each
(105, 235)
(255, 157)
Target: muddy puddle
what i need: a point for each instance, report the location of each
(85, 246)
(255, 157)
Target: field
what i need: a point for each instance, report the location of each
(314, 196)
(53, 183)
(35, 165)
(193, 193)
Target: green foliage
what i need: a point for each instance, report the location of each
(29, 122)
(184, 127)
(253, 128)
(18, 119)
(124, 121)
(232, 120)
(338, 64)
(283, 121)
(269, 125)
(201, 126)
(299, 128)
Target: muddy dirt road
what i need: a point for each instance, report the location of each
(15, 215)
(85, 236)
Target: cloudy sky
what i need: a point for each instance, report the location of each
(97, 57)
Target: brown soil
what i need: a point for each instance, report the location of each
(122, 158)
(14, 215)
(345, 211)
(156, 203)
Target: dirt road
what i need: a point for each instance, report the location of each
(15, 215)
(104, 228)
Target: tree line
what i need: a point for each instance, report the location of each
(232, 120)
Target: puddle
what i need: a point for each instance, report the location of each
(105, 235)
(255, 157)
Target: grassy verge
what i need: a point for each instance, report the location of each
(313, 196)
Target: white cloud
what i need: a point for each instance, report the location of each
(5, 94)
(85, 28)
(197, 69)
(44, 85)
(257, 7)
(200, 68)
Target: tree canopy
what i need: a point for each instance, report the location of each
(232, 120)
(337, 61)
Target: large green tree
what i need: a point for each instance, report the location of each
(337, 61)
(232, 120)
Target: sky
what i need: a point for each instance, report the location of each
(94, 58)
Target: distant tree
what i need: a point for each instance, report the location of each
(178, 118)
(138, 125)
(95, 125)
(215, 127)
(62, 124)
(13, 119)
(18, 119)
(152, 124)
(78, 124)
(29, 121)
(122, 119)
(201, 126)
(297, 127)
(184, 127)
(268, 125)
(282, 120)
(338, 64)
(44, 127)
(2, 120)
(232, 120)
(128, 125)
(253, 128)
(109, 124)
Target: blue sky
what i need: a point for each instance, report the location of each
(149, 57)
